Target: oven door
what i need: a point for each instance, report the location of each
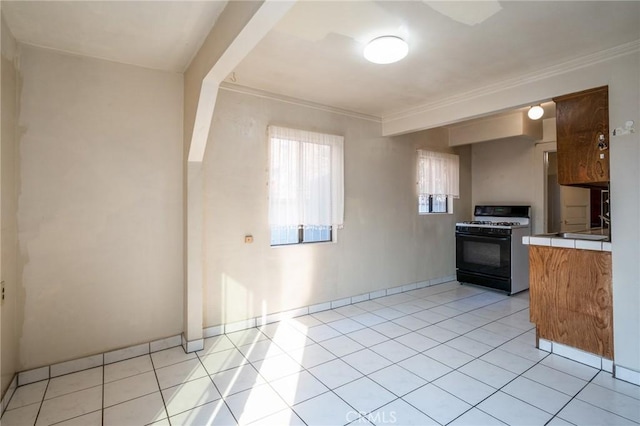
(484, 255)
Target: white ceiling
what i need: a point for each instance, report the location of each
(162, 35)
(315, 52)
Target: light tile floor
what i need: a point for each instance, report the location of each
(447, 354)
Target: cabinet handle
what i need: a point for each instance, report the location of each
(602, 145)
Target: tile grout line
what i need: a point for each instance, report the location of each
(613, 390)
(319, 342)
(502, 387)
(121, 379)
(269, 338)
(460, 335)
(222, 397)
(392, 339)
(601, 408)
(303, 368)
(515, 378)
(341, 333)
(44, 394)
(164, 403)
(307, 370)
(267, 382)
(576, 395)
(409, 331)
(435, 323)
(477, 358)
(103, 389)
(393, 363)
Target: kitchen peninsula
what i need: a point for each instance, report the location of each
(571, 297)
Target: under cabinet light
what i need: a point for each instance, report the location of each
(535, 112)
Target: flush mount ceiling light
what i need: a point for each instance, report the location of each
(535, 112)
(386, 50)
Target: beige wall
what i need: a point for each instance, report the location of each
(502, 172)
(9, 204)
(100, 208)
(624, 104)
(384, 243)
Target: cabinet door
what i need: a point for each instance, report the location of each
(582, 121)
(571, 299)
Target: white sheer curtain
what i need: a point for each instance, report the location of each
(306, 179)
(438, 174)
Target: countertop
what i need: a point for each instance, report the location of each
(553, 240)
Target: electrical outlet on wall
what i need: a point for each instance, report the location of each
(2, 284)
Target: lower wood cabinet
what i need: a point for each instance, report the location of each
(571, 297)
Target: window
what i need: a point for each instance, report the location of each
(306, 189)
(438, 181)
(433, 204)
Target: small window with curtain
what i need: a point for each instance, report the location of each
(437, 181)
(306, 186)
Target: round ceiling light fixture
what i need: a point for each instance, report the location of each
(535, 112)
(386, 50)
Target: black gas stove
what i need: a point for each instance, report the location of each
(489, 249)
(488, 222)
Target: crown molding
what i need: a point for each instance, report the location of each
(532, 77)
(295, 101)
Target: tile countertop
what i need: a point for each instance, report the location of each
(554, 241)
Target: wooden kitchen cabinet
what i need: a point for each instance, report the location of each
(571, 297)
(582, 130)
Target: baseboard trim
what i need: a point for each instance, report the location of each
(578, 355)
(592, 360)
(6, 398)
(260, 321)
(55, 370)
(80, 364)
(627, 375)
(192, 345)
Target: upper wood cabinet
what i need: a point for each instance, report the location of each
(582, 130)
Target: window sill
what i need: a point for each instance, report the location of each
(317, 243)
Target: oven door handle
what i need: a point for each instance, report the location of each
(482, 237)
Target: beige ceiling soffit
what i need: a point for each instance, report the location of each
(466, 12)
(270, 12)
(562, 68)
(515, 126)
(295, 101)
